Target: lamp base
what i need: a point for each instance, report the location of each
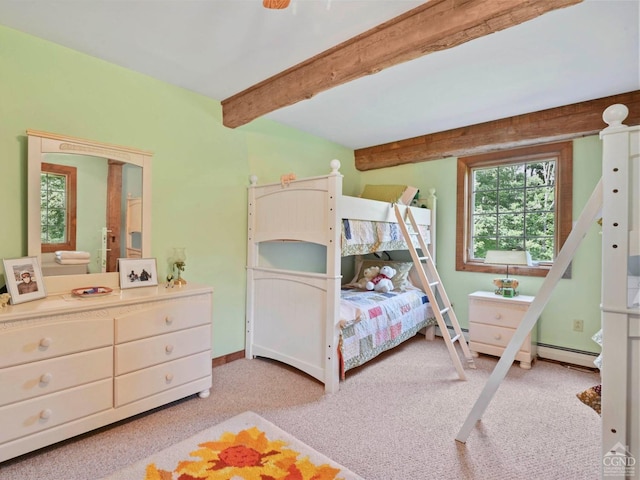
(506, 287)
(180, 281)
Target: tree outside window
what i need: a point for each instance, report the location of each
(514, 200)
(57, 207)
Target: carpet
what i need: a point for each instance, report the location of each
(244, 447)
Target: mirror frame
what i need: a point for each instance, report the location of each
(40, 143)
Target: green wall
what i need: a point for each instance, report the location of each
(575, 298)
(201, 170)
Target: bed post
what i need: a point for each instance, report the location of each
(432, 204)
(334, 277)
(616, 335)
(252, 262)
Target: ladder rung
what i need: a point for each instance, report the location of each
(444, 310)
(433, 284)
(454, 339)
(423, 259)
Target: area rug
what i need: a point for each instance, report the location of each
(244, 447)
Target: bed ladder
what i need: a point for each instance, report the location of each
(432, 286)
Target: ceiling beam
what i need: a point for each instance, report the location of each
(434, 26)
(552, 125)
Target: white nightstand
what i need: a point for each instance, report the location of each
(493, 320)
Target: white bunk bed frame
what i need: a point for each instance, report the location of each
(617, 196)
(620, 322)
(285, 304)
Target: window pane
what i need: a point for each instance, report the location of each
(485, 179)
(486, 202)
(482, 244)
(541, 248)
(511, 176)
(511, 201)
(513, 207)
(485, 225)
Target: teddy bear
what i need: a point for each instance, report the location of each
(368, 274)
(382, 282)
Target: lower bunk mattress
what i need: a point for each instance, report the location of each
(373, 322)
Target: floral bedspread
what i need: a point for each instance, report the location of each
(382, 321)
(361, 236)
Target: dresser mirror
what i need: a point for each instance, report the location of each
(109, 216)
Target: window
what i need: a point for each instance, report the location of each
(57, 207)
(514, 199)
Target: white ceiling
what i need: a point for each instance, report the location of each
(221, 47)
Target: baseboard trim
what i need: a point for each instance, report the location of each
(566, 355)
(229, 357)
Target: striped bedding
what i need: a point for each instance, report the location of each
(373, 322)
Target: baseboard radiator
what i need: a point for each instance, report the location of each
(553, 352)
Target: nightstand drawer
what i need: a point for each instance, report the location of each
(497, 336)
(494, 313)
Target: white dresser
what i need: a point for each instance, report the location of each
(69, 365)
(493, 320)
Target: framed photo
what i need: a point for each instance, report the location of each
(137, 272)
(24, 279)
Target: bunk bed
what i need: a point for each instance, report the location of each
(620, 306)
(312, 319)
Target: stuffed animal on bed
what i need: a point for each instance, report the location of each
(369, 274)
(382, 282)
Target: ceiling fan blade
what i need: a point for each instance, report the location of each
(276, 4)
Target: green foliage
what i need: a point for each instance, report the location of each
(53, 208)
(514, 208)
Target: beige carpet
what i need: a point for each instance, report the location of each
(244, 447)
(394, 419)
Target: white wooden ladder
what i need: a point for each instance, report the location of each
(432, 286)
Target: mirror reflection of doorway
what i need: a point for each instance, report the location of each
(114, 214)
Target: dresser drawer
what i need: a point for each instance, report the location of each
(496, 336)
(35, 343)
(48, 376)
(163, 319)
(144, 353)
(143, 383)
(495, 313)
(37, 414)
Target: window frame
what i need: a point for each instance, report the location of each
(71, 195)
(563, 152)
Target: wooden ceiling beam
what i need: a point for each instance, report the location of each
(434, 26)
(552, 125)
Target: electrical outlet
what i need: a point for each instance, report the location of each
(578, 325)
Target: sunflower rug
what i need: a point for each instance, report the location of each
(245, 447)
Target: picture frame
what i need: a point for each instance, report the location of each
(137, 272)
(24, 279)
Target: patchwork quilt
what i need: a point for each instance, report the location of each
(362, 236)
(374, 322)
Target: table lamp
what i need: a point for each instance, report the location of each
(506, 287)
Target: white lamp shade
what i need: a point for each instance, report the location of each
(508, 257)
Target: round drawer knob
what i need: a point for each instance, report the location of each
(168, 320)
(45, 414)
(45, 342)
(497, 336)
(498, 316)
(46, 378)
(169, 377)
(168, 348)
